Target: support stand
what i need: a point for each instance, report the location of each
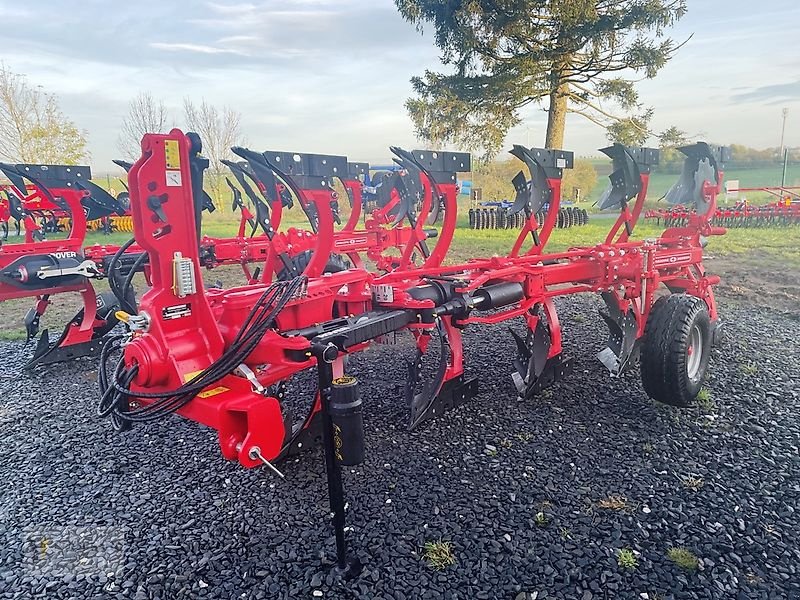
(347, 567)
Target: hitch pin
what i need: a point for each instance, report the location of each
(255, 453)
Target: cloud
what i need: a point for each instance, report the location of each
(185, 47)
(332, 75)
(238, 39)
(771, 94)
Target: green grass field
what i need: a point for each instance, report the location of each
(773, 254)
(661, 181)
(779, 243)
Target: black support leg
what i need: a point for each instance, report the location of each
(347, 566)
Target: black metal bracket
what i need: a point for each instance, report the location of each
(453, 393)
(555, 368)
(308, 435)
(47, 355)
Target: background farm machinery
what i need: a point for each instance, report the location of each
(56, 199)
(784, 211)
(500, 215)
(224, 357)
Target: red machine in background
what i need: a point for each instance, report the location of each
(783, 212)
(38, 267)
(223, 357)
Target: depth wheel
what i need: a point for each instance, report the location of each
(676, 349)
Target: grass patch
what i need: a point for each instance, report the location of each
(648, 448)
(748, 368)
(683, 558)
(614, 502)
(704, 400)
(439, 555)
(541, 519)
(626, 559)
(690, 482)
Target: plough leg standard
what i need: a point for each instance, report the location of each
(222, 357)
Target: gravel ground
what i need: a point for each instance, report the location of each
(535, 497)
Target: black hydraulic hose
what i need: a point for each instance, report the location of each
(103, 408)
(126, 285)
(174, 402)
(112, 265)
(256, 324)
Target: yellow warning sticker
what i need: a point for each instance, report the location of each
(172, 154)
(220, 389)
(187, 377)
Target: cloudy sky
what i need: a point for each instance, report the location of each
(331, 76)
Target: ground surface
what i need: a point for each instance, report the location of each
(534, 497)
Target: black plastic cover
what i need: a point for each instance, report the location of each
(430, 160)
(458, 162)
(647, 157)
(325, 165)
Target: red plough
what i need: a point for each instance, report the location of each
(223, 357)
(39, 268)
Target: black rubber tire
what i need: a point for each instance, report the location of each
(335, 264)
(665, 349)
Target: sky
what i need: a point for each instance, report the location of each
(331, 76)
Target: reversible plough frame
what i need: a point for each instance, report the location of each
(223, 357)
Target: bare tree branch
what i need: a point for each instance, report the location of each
(219, 130)
(145, 115)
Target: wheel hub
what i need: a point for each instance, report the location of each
(694, 353)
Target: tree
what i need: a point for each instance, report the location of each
(507, 54)
(32, 127)
(145, 115)
(582, 177)
(669, 141)
(219, 130)
(631, 131)
(494, 178)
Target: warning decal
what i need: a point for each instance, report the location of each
(172, 154)
(220, 389)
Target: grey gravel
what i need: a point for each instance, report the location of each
(157, 513)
